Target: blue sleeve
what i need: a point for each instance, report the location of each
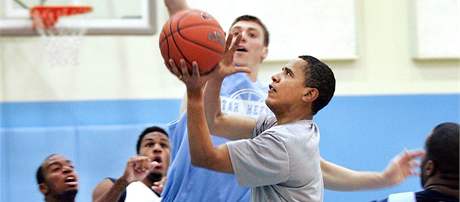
(177, 130)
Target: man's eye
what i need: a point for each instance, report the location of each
(55, 168)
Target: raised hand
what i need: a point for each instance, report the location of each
(193, 80)
(226, 66)
(402, 166)
(138, 168)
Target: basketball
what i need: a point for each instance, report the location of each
(193, 35)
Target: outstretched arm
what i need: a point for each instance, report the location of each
(343, 179)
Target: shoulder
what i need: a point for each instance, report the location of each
(431, 195)
(103, 187)
(266, 121)
(298, 129)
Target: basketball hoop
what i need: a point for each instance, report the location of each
(61, 43)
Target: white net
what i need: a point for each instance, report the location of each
(60, 44)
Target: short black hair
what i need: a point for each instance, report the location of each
(318, 75)
(39, 175)
(147, 131)
(255, 19)
(442, 148)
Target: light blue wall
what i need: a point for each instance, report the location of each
(365, 132)
(360, 132)
(98, 136)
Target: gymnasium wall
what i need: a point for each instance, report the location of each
(385, 102)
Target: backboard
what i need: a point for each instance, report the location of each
(109, 17)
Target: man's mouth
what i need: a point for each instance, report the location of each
(271, 88)
(159, 160)
(71, 180)
(241, 49)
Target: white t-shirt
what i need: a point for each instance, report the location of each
(139, 192)
(280, 162)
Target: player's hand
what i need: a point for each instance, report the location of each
(226, 66)
(138, 168)
(402, 166)
(193, 80)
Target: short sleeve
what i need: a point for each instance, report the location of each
(260, 161)
(177, 132)
(262, 124)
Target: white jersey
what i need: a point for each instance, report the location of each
(402, 197)
(138, 192)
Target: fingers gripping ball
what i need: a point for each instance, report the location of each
(193, 35)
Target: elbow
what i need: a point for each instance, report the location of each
(197, 162)
(204, 162)
(215, 125)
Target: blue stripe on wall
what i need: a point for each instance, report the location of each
(359, 132)
(80, 113)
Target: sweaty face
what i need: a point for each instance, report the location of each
(287, 87)
(251, 49)
(60, 176)
(155, 145)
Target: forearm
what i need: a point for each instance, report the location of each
(202, 150)
(114, 193)
(212, 100)
(175, 6)
(343, 179)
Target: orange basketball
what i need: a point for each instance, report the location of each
(193, 35)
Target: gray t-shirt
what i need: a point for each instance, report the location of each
(280, 162)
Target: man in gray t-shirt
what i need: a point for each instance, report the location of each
(274, 161)
(271, 161)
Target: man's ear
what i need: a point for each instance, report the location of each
(43, 188)
(429, 168)
(310, 94)
(265, 53)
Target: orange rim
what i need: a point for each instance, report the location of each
(47, 16)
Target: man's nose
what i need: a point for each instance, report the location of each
(67, 169)
(275, 78)
(244, 36)
(157, 148)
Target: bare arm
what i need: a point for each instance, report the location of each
(109, 191)
(202, 151)
(136, 169)
(175, 6)
(343, 179)
(229, 126)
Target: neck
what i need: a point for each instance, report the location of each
(152, 178)
(445, 186)
(288, 116)
(253, 74)
(57, 198)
